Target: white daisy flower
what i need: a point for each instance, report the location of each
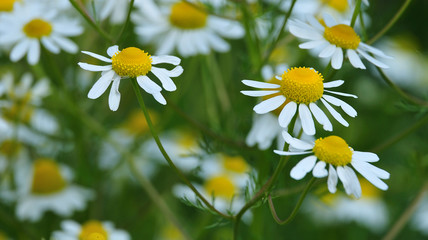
(91, 230)
(184, 27)
(335, 152)
(115, 10)
(419, 220)
(31, 24)
(46, 185)
(297, 91)
(21, 114)
(131, 62)
(332, 39)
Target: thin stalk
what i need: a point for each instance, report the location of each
(165, 154)
(91, 22)
(296, 208)
(356, 12)
(250, 36)
(219, 84)
(128, 17)
(210, 99)
(390, 23)
(404, 218)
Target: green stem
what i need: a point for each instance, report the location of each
(390, 23)
(219, 84)
(356, 12)
(165, 154)
(210, 99)
(404, 218)
(91, 22)
(250, 36)
(128, 17)
(296, 208)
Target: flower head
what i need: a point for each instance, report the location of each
(90, 230)
(298, 90)
(335, 152)
(131, 62)
(331, 39)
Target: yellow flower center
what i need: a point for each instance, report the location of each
(186, 16)
(93, 230)
(47, 177)
(302, 85)
(187, 140)
(235, 164)
(6, 5)
(131, 62)
(37, 28)
(333, 150)
(21, 109)
(10, 148)
(342, 36)
(220, 186)
(339, 5)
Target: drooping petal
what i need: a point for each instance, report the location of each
(166, 81)
(158, 97)
(101, 85)
(372, 59)
(148, 85)
(114, 96)
(332, 179)
(335, 114)
(365, 156)
(337, 102)
(19, 50)
(306, 119)
(269, 104)
(341, 94)
(321, 117)
(303, 167)
(287, 113)
(327, 51)
(319, 170)
(33, 52)
(355, 59)
(337, 58)
(97, 56)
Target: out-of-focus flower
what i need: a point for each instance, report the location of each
(45, 185)
(20, 112)
(419, 220)
(170, 232)
(186, 27)
(31, 24)
(331, 39)
(90, 230)
(335, 152)
(115, 10)
(369, 211)
(131, 62)
(298, 90)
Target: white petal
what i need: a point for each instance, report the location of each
(50, 45)
(258, 93)
(344, 179)
(166, 59)
(337, 58)
(287, 113)
(355, 59)
(148, 85)
(19, 50)
(332, 179)
(297, 143)
(112, 50)
(169, 41)
(329, 20)
(327, 51)
(311, 44)
(365, 156)
(267, 72)
(372, 59)
(306, 119)
(333, 84)
(102, 58)
(285, 153)
(258, 84)
(114, 96)
(101, 85)
(65, 43)
(368, 168)
(94, 68)
(269, 104)
(217, 43)
(315, 23)
(321, 117)
(319, 170)
(166, 81)
(33, 52)
(305, 33)
(373, 50)
(341, 94)
(158, 97)
(303, 167)
(337, 102)
(354, 184)
(225, 27)
(335, 114)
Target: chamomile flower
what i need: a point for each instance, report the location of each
(335, 152)
(31, 24)
(131, 62)
(419, 220)
(184, 27)
(332, 39)
(115, 10)
(46, 185)
(90, 230)
(297, 91)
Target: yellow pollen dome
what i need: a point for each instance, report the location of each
(342, 36)
(339, 5)
(47, 177)
(186, 16)
(220, 186)
(93, 230)
(131, 62)
(302, 85)
(6, 5)
(235, 164)
(333, 150)
(10, 148)
(37, 28)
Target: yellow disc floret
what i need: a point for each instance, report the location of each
(6, 5)
(339, 5)
(186, 16)
(93, 230)
(37, 28)
(47, 177)
(235, 164)
(342, 36)
(220, 186)
(302, 85)
(131, 62)
(333, 150)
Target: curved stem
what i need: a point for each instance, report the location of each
(165, 154)
(296, 208)
(128, 16)
(356, 12)
(91, 22)
(404, 218)
(390, 23)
